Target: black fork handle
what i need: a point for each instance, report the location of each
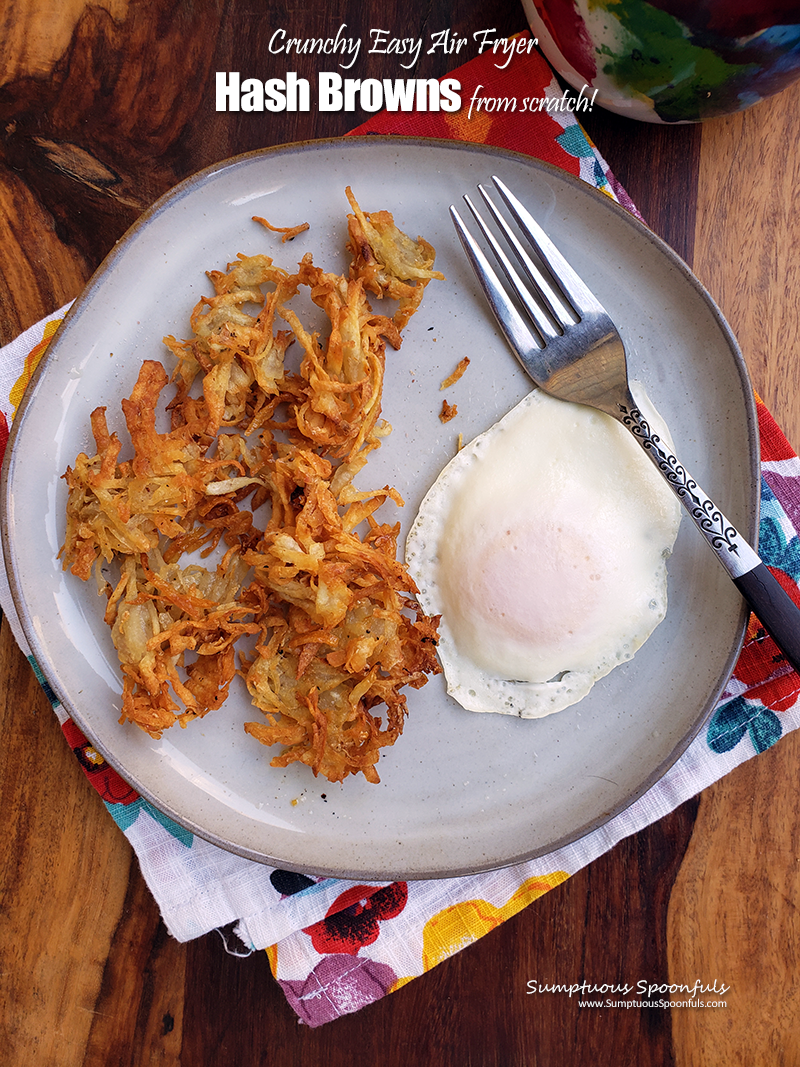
(775, 609)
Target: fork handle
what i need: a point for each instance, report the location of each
(775, 609)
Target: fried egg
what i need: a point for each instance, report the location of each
(543, 546)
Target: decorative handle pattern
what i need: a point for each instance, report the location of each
(733, 551)
(774, 607)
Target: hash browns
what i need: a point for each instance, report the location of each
(332, 628)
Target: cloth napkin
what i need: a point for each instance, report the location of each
(336, 946)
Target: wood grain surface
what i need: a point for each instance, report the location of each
(102, 108)
(734, 909)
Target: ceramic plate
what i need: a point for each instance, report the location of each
(459, 792)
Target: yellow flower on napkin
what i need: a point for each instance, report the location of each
(459, 925)
(32, 362)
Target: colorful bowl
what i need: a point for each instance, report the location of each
(671, 61)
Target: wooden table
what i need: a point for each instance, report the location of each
(103, 108)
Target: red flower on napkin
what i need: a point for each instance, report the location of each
(352, 920)
(761, 665)
(108, 783)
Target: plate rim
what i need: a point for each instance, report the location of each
(178, 192)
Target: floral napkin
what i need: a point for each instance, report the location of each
(336, 946)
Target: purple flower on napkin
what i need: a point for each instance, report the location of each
(338, 985)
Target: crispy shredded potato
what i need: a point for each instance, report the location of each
(451, 379)
(328, 613)
(388, 262)
(448, 412)
(288, 232)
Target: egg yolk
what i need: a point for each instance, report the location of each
(531, 598)
(537, 584)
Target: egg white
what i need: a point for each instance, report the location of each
(543, 546)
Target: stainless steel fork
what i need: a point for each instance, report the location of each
(567, 343)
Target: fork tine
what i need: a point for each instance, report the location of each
(518, 332)
(555, 301)
(576, 291)
(538, 313)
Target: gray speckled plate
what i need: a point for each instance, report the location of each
(460, 792)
